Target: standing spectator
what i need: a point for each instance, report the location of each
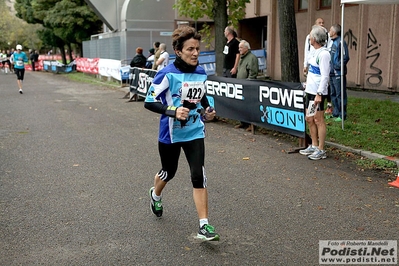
(34, 57)
(231, 54)
(335, 73)
(9, 56)
(10, 66)
(3, 61)
(316, 90)
(248, 68)
(163, 60)
(139, 60)
(31, 56)
(150, 58)
(181, 125)
(19, 59)
(157, 53)
(308, 51)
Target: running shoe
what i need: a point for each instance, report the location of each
(156, 206)
(329, 110)
(20, 91)
(308, 151)
(317, 155)
(207, 232)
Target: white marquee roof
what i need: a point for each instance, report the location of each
(374, 2)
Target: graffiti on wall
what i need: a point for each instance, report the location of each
(374, 78)
(374, 74)
(350, 39)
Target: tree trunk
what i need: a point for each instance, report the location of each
(288, 41)
(79, 50)
(62, 50)
(220, 18)
(70, 52)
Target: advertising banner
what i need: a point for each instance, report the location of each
(109, 68)
(87, 65)
(270, 104)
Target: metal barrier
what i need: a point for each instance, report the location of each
(57, 67)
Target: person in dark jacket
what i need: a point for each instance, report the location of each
(336, 75)
(139, 60)
(34, 57)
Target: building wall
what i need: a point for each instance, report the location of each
(371, 32)
(136, 23)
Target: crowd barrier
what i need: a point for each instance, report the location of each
(38, 67)
(57, 67)
(87, 65)
(269, 104)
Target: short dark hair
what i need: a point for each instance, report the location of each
(182, 34)
(156, 44)
(337, 29)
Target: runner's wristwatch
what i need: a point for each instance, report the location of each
(319, 94)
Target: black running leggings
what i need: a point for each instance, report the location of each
(20, 73)
(195, 155)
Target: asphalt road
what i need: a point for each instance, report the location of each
(77, 160)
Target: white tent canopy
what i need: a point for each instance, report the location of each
(374, 2)
(365, 2)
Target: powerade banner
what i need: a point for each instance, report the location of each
(270, 104)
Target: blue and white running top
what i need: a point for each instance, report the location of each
(171, 87)
(319, 72)
(19, 60)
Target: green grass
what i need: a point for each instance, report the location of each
(372, 125)
(379, 164)
(91, 79)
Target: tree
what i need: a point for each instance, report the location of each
(223, 12)
(14, 30)
(73, 22)
(67, 21)
(288, 41)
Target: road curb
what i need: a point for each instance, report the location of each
(367, 154)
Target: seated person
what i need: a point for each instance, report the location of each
(139, 60)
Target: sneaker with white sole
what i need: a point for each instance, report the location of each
(20, 91)
(308, 151)
(207, 232)
(317, 155)
(329, 110)
(156, 206)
